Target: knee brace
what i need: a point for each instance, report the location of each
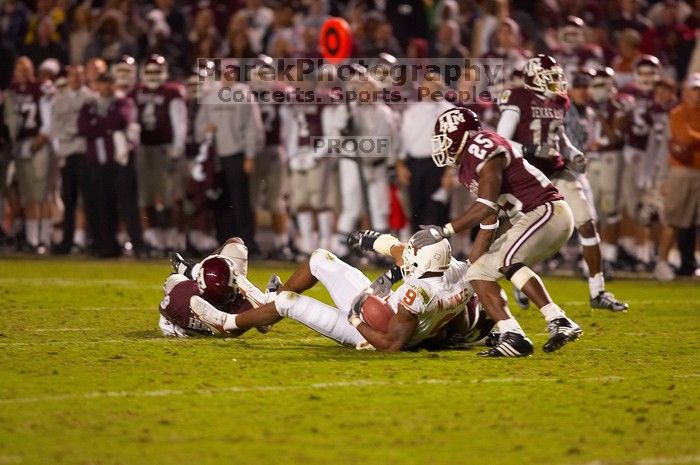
(285, 301)
(521, 276)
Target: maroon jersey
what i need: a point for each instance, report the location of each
(585, 56)
(523, 188)
(97, 122)
(26, 101)
(539, 123)
(270, 113)
(638, 116)
(308, 119)
(154, 111)
(607, 112)
(175, 306)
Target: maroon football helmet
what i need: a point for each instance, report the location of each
(647, 70)
(217, 279)
(155, 71)
(572, 34)
(124, 71)
(453, 128)
(603, 84)
(543, 75)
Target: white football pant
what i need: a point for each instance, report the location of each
(343, 283)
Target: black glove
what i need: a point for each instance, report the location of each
(363, 240)
(273, 284)
(382, 285)
(429, 234)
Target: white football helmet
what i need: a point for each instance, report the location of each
(431, 258)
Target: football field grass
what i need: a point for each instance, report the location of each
(86, 378)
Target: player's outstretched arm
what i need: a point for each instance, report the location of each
(491, 178)
(401, 328)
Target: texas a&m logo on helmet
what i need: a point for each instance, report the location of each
(452, 130)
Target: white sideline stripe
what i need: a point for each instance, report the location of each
(51, 330)
(653, 461)
(68, 282)
(329, 385)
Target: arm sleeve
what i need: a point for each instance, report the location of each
(255, 134)
(178, 121)
(508, 123)
(45, 112)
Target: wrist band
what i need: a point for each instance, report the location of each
(384, 243)
(491, 226)
(492, 205)
(449, 229)
(355, 320)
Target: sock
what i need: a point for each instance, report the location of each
(79, 237)
(230, 323)
(596, 284)
(326, 220)
(608, 252)
(510, 325)
(45, 231)
(280, 240)
(674, 257)
(643, 252)
(16, 226)
(32, 232)
(306, 229)
(552, 311)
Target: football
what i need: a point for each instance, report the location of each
(377, 313)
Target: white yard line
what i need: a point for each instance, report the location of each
(683, 459)
(329, 385)
(61, 330)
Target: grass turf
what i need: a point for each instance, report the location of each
(85, 378)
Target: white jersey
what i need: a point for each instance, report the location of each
(434, 301)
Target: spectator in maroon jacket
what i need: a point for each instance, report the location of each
(111, 178)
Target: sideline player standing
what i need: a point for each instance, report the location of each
(503, 179)
(533, 117)
(162, 115)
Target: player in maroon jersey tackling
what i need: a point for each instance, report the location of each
(503, 180)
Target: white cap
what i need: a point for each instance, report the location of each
(694, 80)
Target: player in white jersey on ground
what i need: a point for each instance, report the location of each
(435, 293)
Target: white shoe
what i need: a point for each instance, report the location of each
(208, 314)
(664, 272)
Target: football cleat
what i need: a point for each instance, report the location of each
(181, 265)
(208, 315)
(606, 300)
(561, 331)
(521, 299)
(510, 344)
